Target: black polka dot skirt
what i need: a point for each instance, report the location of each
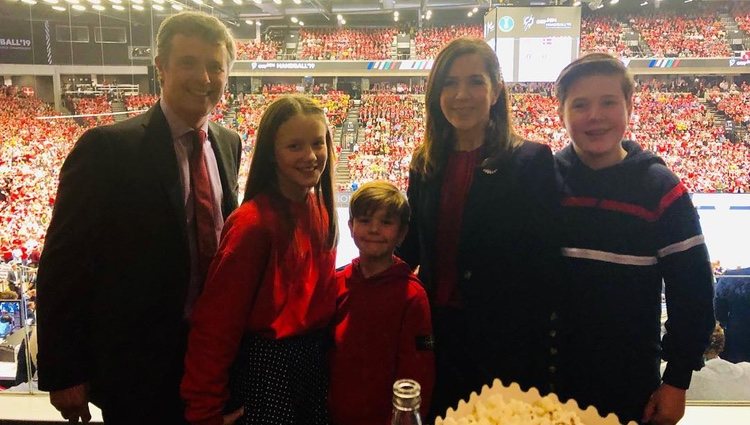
(281, 382)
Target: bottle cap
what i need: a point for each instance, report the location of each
(406, 394)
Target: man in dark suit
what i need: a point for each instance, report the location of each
(139, 208)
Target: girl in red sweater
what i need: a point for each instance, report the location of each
(258, 329)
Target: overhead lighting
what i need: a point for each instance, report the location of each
(237, 2)
(294, 19)
(249, 21)
(178, 7)
(59, 8)
(99, 7)
(395, 13)
(51, 1)
(116, 1)
(79, 8)
(219, 2)
(257, 23)
(157, 1)
(198, 2)
(470, 14)
(118, 7)
(644, 3)
(395, 19)
(160, 8)
(297, 1)
(343, 22)
(277, 1)
(138, 7)
(95, 1)
(29, 2)
(72, 1)
(137, 1)
(614, 1)
(339, 17)
(576, 3)
(475, 10)
(688, 1)
(302, 24)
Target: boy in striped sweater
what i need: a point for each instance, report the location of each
(629, 227)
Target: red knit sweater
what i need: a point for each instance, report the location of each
(259, 282)
(382, 333)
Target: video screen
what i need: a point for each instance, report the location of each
(533, 44)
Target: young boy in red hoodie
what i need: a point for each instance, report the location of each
(383, 329)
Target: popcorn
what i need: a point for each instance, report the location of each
(501, 405)
(495, 410)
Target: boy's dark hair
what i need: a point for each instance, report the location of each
(593, 64)
(375, 195)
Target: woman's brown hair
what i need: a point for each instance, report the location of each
(500, 139)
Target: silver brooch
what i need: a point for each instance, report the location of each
(489, 171)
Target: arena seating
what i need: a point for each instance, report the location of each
(258, 50)
(603, 34)
(91, 105)
(429, 41)
(345, 44)
(392, 125)
(671, 35)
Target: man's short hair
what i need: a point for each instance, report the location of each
(374, 195)
(207, 27)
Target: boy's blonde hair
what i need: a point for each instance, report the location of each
(375, 195)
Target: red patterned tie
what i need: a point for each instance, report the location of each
(203, 205)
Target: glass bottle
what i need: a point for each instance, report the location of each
(406, 401)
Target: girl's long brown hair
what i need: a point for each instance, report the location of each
(262, 177)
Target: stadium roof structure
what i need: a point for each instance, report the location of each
(289, 13)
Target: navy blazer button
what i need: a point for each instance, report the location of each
(467, 274)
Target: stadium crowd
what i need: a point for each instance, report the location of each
(603, 34)
(391, 125)
(679, 35)
(345, 44)
(257, 50)
(429, 41)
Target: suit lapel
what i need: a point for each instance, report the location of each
(163, 161)
(225, 163)
(485, 190)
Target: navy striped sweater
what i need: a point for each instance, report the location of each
(628, 228)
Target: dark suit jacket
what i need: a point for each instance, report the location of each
(115, 269)
(508, 258)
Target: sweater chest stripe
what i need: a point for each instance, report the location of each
(628, 208)
(610, 205)
(681, 246)
(609, 257)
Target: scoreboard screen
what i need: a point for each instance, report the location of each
(533, 44)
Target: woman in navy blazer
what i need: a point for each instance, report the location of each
(482, 231)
